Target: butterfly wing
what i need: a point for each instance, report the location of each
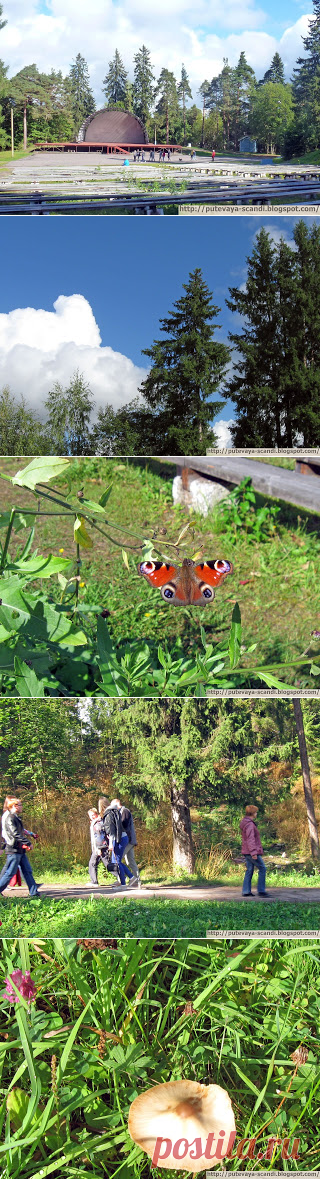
(161, 576)
(206, 579)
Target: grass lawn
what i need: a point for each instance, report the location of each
(7, 158)
(118, 917)
(105, 1023)
(276, 580)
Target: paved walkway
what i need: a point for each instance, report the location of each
(173, 892)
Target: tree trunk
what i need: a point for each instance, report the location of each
(167, 124)
(312, 822)
(183, 850)
(25, 126)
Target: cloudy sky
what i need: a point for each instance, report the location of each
(88, 293)
(198, 32)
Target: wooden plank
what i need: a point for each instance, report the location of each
(273, 482)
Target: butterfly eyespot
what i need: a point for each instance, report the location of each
(222, 566)
(167, 592)
(147, 567)
(207, 592)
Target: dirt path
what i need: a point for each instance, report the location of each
(172, 892)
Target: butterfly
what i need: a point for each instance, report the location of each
(186, 585)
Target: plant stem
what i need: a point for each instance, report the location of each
(7, 540)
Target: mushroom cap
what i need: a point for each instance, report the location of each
(182, 1109)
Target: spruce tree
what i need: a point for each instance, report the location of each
(82, 102)
(115, 83)
(306, 90)
(187, 367)
(167, 105)
(184, 91)
(143, 84)
(275, 73)
(253, 385)
(244, 82)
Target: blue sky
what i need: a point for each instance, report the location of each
(128, 273)
(199, 33)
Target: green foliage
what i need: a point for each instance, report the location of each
(81, 98)
(240, 511)
(143, 85)
(276, 379)
(271, 115)
(109, 1022)
(115, 83)
(69, 412)
(186, 370)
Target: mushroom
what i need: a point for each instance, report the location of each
(183, 1125)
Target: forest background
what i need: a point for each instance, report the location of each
(283, 116)
(187, 769)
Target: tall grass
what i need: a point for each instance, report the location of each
(108, 1022)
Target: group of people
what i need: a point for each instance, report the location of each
(113, 843)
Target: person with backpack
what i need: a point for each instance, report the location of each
(115, 835)
(13, 833)
(99, 847)
(128, 854)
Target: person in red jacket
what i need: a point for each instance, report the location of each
(252, 851)
(213, 155)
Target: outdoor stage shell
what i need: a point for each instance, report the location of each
(113, 127)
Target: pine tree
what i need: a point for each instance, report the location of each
(115, 83)
(167, 105)
(143, 84)
(184, 91)
(2, 22)
(31, 92)
(275, 73)
(81, 97)
(186, 370)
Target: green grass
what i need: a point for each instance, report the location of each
(117, 916)
(19, 154)
(275, 580)
(106, 1023)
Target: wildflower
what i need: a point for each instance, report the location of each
(61, 550)
(82, 584)
(25, 985)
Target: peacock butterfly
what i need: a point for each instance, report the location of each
(186, 585)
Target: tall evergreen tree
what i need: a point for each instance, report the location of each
(186, 370)
(276, 379)
(81, 97)
(204, 90)
(167, 105)
(115, 83)
(2, 22)
(306, 89)
(244, 77)
(184, 91)
(31, 91)
(275, 73)
(143, 84)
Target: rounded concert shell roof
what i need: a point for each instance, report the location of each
(108, 126)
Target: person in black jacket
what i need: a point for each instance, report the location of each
(116, 836)
(15, 847)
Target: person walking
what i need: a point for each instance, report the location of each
(15, 847)
(116, 836)
(213, 155)
(128, 854)
(252, 851)
(99, 847)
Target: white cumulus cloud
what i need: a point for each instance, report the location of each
(202, 33)
(38, 348)
(223, 432)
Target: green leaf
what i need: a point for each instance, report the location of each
(27, 682)
(92, 506)
(105, 496)
(40, 470)
(235, 637)
(105, 644)
(38, 566)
